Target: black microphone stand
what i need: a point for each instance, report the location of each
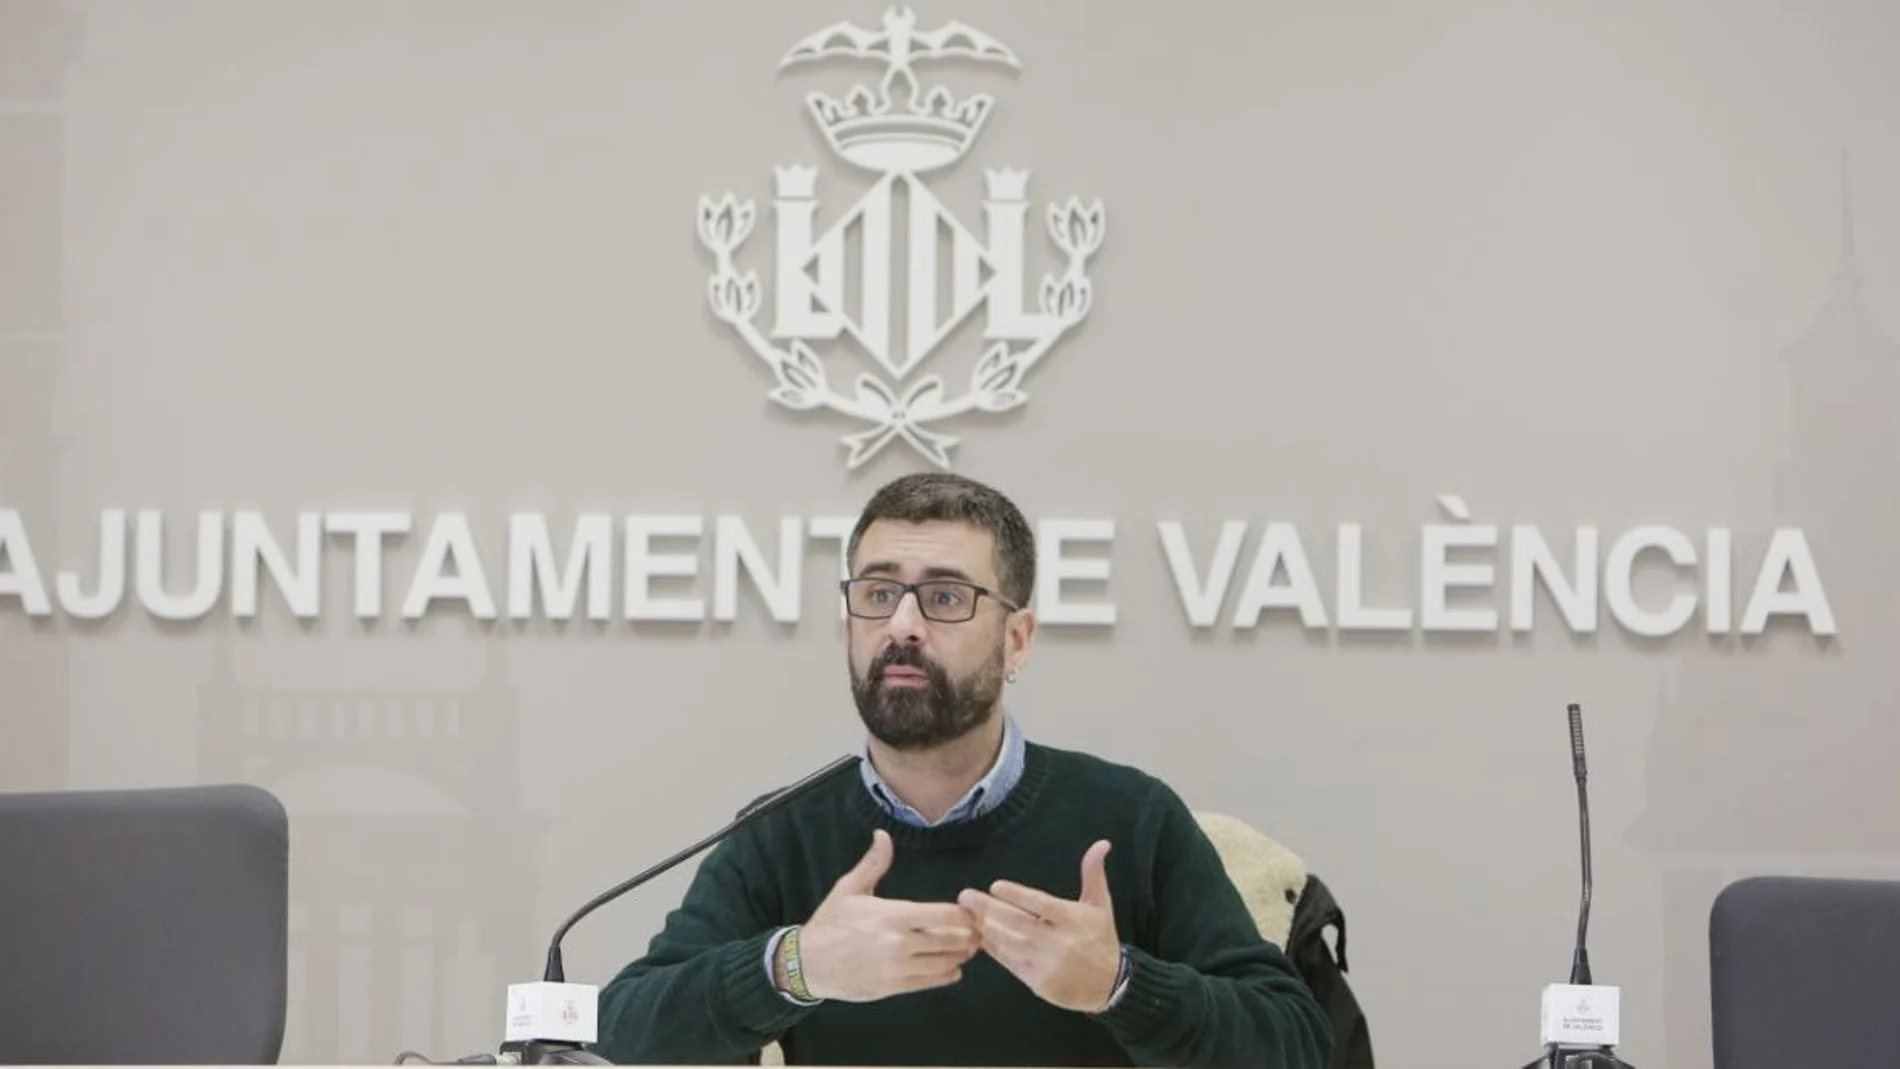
(1559, 1055)
(548, 1052)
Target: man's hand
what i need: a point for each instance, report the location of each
(1066, 952)
(858, 947)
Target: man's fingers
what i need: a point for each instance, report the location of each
(998, 918)
(1040, 904)
(1025, 910)
(863, 877)
(932, 929)
(919, 916)
(987, 906)
(1011, 937)
(960, 939)
(939, 945)
(1095, 876)
(1011, 949)
(981, 905)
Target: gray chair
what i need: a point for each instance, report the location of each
(143, 926)
(1805, 971)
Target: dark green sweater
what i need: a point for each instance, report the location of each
(1206, 991)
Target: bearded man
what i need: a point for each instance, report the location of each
(973, 898)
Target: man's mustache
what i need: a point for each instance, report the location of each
(901, 657)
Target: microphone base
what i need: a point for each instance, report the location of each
(550, 1052)
(1556, 1057)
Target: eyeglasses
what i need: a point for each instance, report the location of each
(947, 601)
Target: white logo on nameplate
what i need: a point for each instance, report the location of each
(899, 131)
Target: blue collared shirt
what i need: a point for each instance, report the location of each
(986, 795)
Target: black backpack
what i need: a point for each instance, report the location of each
(1325, 972)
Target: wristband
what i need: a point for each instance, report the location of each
(1123, 974)
(794, 968)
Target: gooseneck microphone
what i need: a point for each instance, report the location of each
(1580, 958)
(1581, 1020)
(551, 1022)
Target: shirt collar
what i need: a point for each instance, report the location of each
(985, 795)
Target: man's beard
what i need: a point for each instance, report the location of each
(919, 718)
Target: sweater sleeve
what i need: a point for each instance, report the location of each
(1206, 990)
(702, 995)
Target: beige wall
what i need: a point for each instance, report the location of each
(1578, 266)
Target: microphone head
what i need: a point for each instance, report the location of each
(1576, 739)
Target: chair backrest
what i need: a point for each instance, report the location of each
(1805, 971)
(1268, 876)
(143, 926)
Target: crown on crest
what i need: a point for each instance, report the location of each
(869, 127)
(867, 130)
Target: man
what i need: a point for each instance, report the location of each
(973, 898)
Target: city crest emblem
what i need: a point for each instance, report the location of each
(898, 132)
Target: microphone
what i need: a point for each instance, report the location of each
(1581, 1019)
(1580, 958)
(551, 1021)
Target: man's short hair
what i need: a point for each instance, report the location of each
(928, 496)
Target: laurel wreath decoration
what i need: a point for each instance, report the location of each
(995, 385)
